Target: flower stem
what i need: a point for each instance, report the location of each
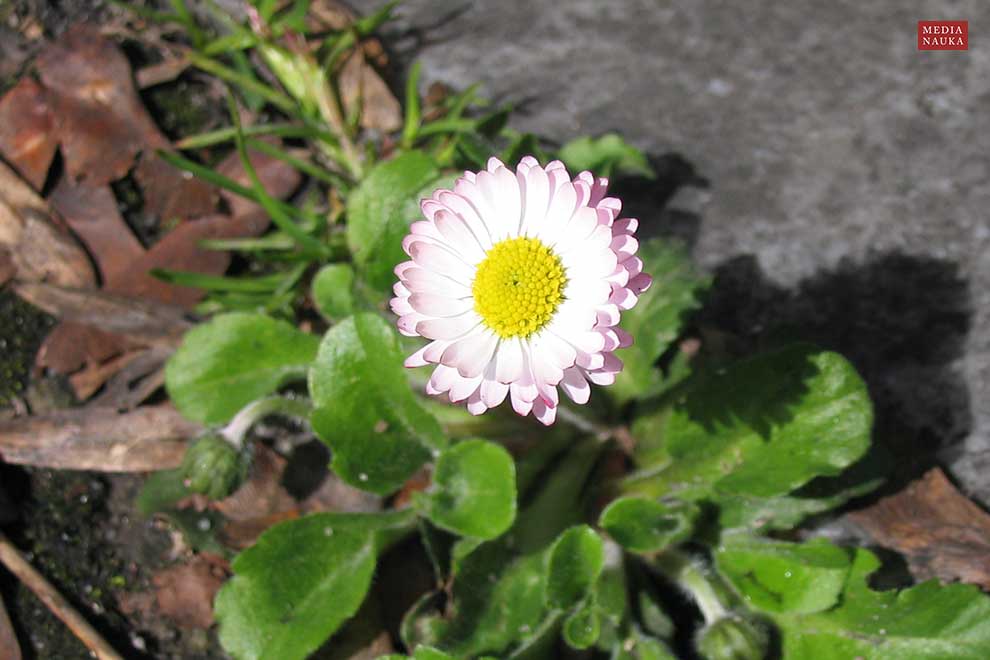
(237, 428)
(695, 580)
(583, 424)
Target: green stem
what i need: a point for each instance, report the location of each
(237, 428)
(581, 423)
(696, 581)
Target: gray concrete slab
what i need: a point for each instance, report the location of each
(849, 173)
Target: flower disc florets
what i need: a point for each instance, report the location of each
(519, 279)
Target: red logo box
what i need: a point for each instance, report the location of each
(943, 35)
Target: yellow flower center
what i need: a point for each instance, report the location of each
(518, 287)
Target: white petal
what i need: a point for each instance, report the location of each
(475, 403)
(576, 386)
(472, 354)
(509, 361)
(439, 306)
(463, 387)
(466, 212)
(459, 237)
(441, 260)
(520, 403)
(448, 328)
(493, 392)
(546, 414)
(537, 191)
(420, 280)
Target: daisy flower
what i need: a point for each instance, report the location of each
(518, 279)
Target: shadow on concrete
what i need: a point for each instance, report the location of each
(901, 320)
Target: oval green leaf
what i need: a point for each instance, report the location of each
(233, 359)
(299, 583)
(333, 291)
(582, 627)
(363, 407)
(576, 561)
(379, 213)
(474, 490)
(643, 525)
(776, 576)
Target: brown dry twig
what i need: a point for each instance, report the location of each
(142, 440)
(54, 601)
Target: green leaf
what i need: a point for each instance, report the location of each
(363, 407)
(576, 561)
(776, 576)
(380, 210)
(430, 653)
(582, 627)
(744, 512)
(413, 120)
(230, 361)
(761, 428)
(643, 525)
(658, 317)
(300, 582)
(333, 292)
(929, 621)
(604, 156)
(161, 491)
(474, 490)
(497, 601)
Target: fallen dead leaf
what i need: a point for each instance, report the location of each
(99, 118)
(362, 88)
(91, 212)
(40, 250)
(101, 439)
(169, 193)
(8, 640)
(184, 593)
(27, 136)
(179, 250)
(144, 321)
(7, 268)
(262, 494)
(71, 346)
(278, 179)
(940, 531)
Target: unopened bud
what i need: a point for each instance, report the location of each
(213, 467)
(733, 638)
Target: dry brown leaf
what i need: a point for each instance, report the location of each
(362, 87)
(92, 213)
(71, 346)
(8, 640)
(27, 136)
(142, 440)
(100, 120)
(940, 531)
(144, 321)
(169, 193)
(179, 250)
(278, 178)
(184, 593)
(262, 494)
(87, 381)
(40, 250)
(7, 268)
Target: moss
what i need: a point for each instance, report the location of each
(22, 328)
(63, 535)
(183, 107)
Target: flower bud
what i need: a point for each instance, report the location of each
(213, 467)
(733, 638)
